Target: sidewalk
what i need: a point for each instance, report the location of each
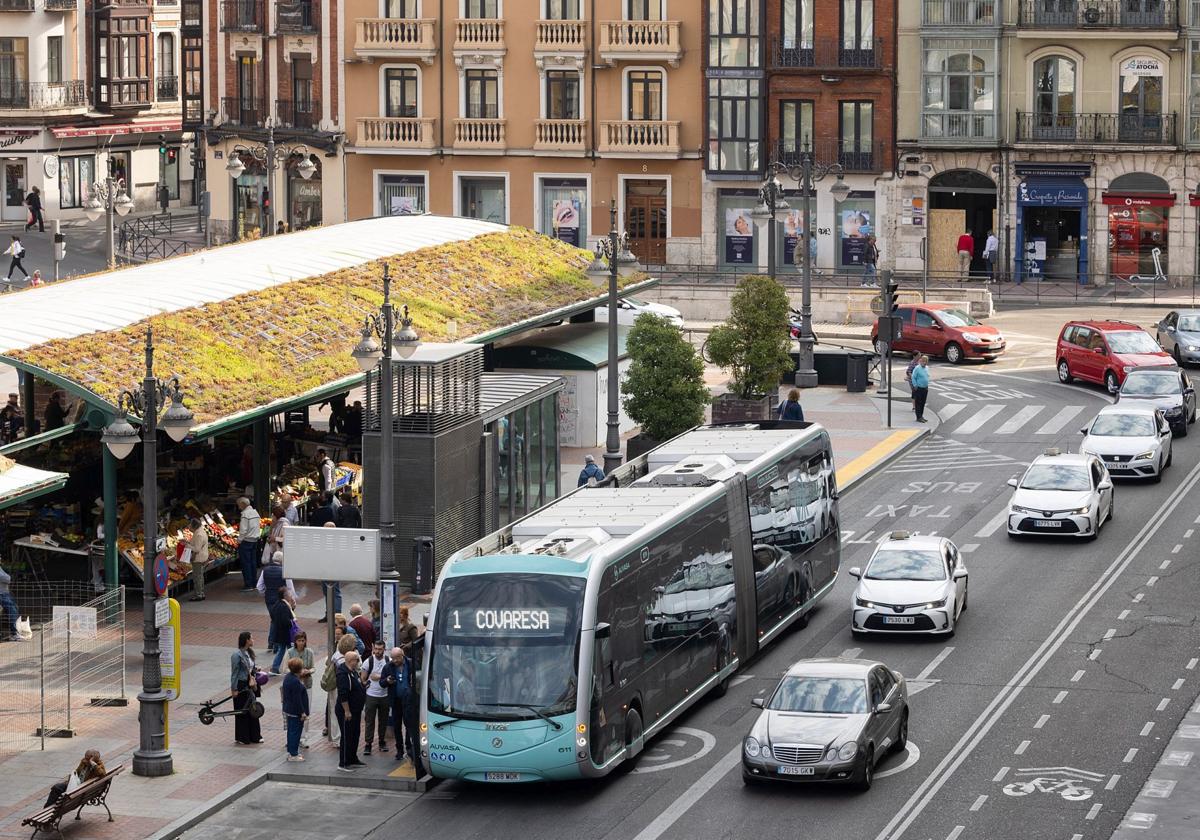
(1168, 805)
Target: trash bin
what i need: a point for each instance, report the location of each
(857, 367)
(423, 564)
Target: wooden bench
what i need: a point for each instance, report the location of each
(93, 792)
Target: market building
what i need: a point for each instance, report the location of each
(89, 90)
(786, 78)
(273, 118)
(1064, 128)
(490, 110)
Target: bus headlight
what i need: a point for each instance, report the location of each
(581, 742)
(424, 741)
(752, 748)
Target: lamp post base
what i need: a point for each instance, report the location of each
(612, 460)
(152, 720)
(806, 379)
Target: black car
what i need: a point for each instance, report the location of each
(1167, 388)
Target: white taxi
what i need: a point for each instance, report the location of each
(912, 584)
(1061, 494)
(1132, 441)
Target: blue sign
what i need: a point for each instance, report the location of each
(1052, 192)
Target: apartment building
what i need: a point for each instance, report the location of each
(272, 115)
(1063, 125)
(88, 90)
(538, 113)
(793, 78)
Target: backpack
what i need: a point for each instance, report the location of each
(329, 678)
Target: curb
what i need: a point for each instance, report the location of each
(912, 437)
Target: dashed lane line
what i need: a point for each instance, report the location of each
(1109, 633)
(1178, 684)
(958, 829)
(1129, 755)
(1078, 675)
(1021, 747)
(1124, 614)
(1163, 703)
(979, 802)
(1041, 721)
(1095, 654)
(1153, 579)
(1191, 666)
(1112, 783)
(1137, 599)
(1093, 812)
(999, 777)
(1163, 565)
(1061, 696)
(1147, 728)
(936, 661)
(1177, 549)
(993, 524)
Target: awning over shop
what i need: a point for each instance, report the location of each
(19, 484)
(115, 129)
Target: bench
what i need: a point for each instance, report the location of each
(93, 792)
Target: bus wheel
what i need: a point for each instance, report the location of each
(722, 661)
(634, 739)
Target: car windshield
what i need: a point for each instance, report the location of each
(1056, 477)
(709, 572)
(1123, 425)
(1151, 384)
(1190, 323)
(1132, 341)
(820, 695)
(907, 564)
(956, 318)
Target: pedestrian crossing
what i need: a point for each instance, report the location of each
(938, 454)
(999, 419)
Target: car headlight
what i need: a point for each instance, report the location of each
(848, 751)
(1019, 509)
(972, 337)
(831, 754)
(1081, 511)
(1128, 368)
(1175, 409)
(1192, 347)
(1143, 456)
(752, 747)
(766, 752)
(933, 605)
(859, 602)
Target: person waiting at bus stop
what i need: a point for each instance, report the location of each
(590, 471)
(399, 678)
(351, 697)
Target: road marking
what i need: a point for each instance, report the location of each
(1093, 811)
(936, 661)
(1177, 549)
(691, 796)
(1078, 675)
(1076, 837)
(958, 829)
(1124, 615)
(968, 548)
(1019, 419)
(1112, 783)
(1158, 788)
(1178, 684)
(999, 777)
(1191, 666)
(993, 524)
(975, 423)
(1109, 633)
(1163, 703)
(1129, 755)
(1061, 696)
(912, 757)
(1137, 599)
(1059, 420)
(1187, 535)
(1041, 721)
(1153, 579)
(707, 744)
(979, 802)
(978, 729)
(1021, 747)
(1146, 729)
(850, 653)
(1095, 654)
(738, 680)
(946, 412)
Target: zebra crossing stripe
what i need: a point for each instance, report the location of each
(976, 421)
(1062, 418)
(1019, 419)
(949, 411)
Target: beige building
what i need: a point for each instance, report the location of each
(1064, 126)
(530, 112)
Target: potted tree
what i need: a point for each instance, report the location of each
(752, 346)
(664, 389)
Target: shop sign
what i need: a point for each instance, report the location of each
(306, 189)
(1139, 200)
(1045, 194)
(1142, 66)
(739, 236)
(13, 136)
(1194, 200)
(1053, 170)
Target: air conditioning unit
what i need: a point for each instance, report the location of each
(692, 472)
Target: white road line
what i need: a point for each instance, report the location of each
(1123, 615)
(1129, 755)
(1078, 675)
(1146, 729)
(1019, 419)
(1059, 420)
(979, 802)
(1000, 776)
(691, 796)
(1191, 666)
(1021, 747)
(1187, 535)
(1196, 521)
(1109, 633)
(968, 548)
(850, 653)
(738, 680)
(1177, 549)
(1163, 565)
(1041, 721)
(1061, 696)
(946, 412)
(1153, 579)
(958, 829)
(1178, 684)
(1076, 837)
(993, 524)
(936, 661)
(1093, 812)
(975, 423)
(1095, 654)
(1163, 703)
(1112, 783)
(1137, 599)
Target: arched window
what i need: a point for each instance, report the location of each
(1054, 98)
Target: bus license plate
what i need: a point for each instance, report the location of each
(502, 777)
(1048, 523)
(899, 619)
(796, 771)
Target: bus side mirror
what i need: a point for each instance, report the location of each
(603, 630)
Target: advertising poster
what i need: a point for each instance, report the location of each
(793, 233)
(403, 205)
(856, 226)
(739, 236)
(566, 220)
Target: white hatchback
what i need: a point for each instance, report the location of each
(1133, 442)
(1061, 494)
(628, 310)
(912, 584)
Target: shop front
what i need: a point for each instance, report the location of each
(564, 209)
(1052, 223)
(1139, 207)
(248, 210)
(304, 195)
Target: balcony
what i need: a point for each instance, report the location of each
(640, 137)
(300, 115)
(479, 134)
(1194, 20)
(640, 40)
(244, 111)
(397, 133)
(242, 16)
(1097, 129)
(295, 17)
(954, 128)
(863, 157)
(16, 5)
(394, 38)
(826, 56)
(166, 88)
(123, 93)
(559, 135)
(560, 36)
(40, 96)
(1098, 14)
(959, 13)
(59, 5)
(479, 35)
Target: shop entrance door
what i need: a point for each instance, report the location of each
(646, 220)
(14, 191)
(1059, 227)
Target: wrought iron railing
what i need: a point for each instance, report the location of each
(244, 110)
(852, 156)
(304, 114)
(1112, 14)
(1090, 129)
(959, 13)
(15, 93)
(166, 88)
(827, 55)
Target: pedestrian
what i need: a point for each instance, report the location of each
(400, 680)
(303, 653)
(279, 521)
(812, 250)
(351, 697)
(920, 387)
(324, 512)
(339, 620)
(249, 532)
(790, 408)
(966, 250)
(270, 581)
(55, 414)
(16, 251)
(361, 626)
(590, 471)
(325, 469)
(377, 705)
(34, 202)
(199, 548)
(376, 617)
(354, 422)
(283, 619)
(36, 280)
(348, 515)
(870, 259)
(343, 643)
(295, 707)
(12, 418)
(991, 248)
(408, 634)
(908, 372)
(9, 606)
(243, 686)
(89, 767)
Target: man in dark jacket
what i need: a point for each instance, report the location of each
(351, 697)
(400, 680)
(270, 579)
(590, 471)
(348, 515)
(324, 513)
(281, 626)
(34, 202)
(295, 707)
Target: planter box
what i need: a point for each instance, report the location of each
(639, 445)
(728, 408)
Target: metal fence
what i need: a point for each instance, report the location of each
(55, 684)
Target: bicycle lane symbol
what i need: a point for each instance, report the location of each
(1071, 784)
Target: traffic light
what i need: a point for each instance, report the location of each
(171, 155)
(890, 288)
(266, 199)
(162, 144)
(60, 247)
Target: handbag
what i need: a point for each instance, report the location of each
(293, 631)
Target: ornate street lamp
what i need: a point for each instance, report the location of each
(273, 158)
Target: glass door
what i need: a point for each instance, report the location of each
(1141, 109)
(14, 191)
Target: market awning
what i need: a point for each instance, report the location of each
(115, 129)
(19, 484)
(38, 439)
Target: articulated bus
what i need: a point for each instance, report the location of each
(559, 645)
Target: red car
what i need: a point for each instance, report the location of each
(941, 329)
(1104, 351)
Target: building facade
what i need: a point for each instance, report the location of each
(1065, 127)
(481, 108)
(272, 100)
(785, 79)
(89, 90)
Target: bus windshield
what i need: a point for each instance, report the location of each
(506, 646)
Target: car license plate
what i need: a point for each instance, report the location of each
(1048, 523)
(502, 777)
(784, 770)
(899, 619)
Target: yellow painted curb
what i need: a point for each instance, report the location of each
(877, 453)
(403, 772)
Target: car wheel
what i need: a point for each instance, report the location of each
(953, 353)
(1157, 477)
(1112, 507)
(901, 733)
(879, 348)
(1110, 382)
(867, 774)
(1183, 429)
(1171, 453)
(1064, 372)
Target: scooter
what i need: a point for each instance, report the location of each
(207, 715)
